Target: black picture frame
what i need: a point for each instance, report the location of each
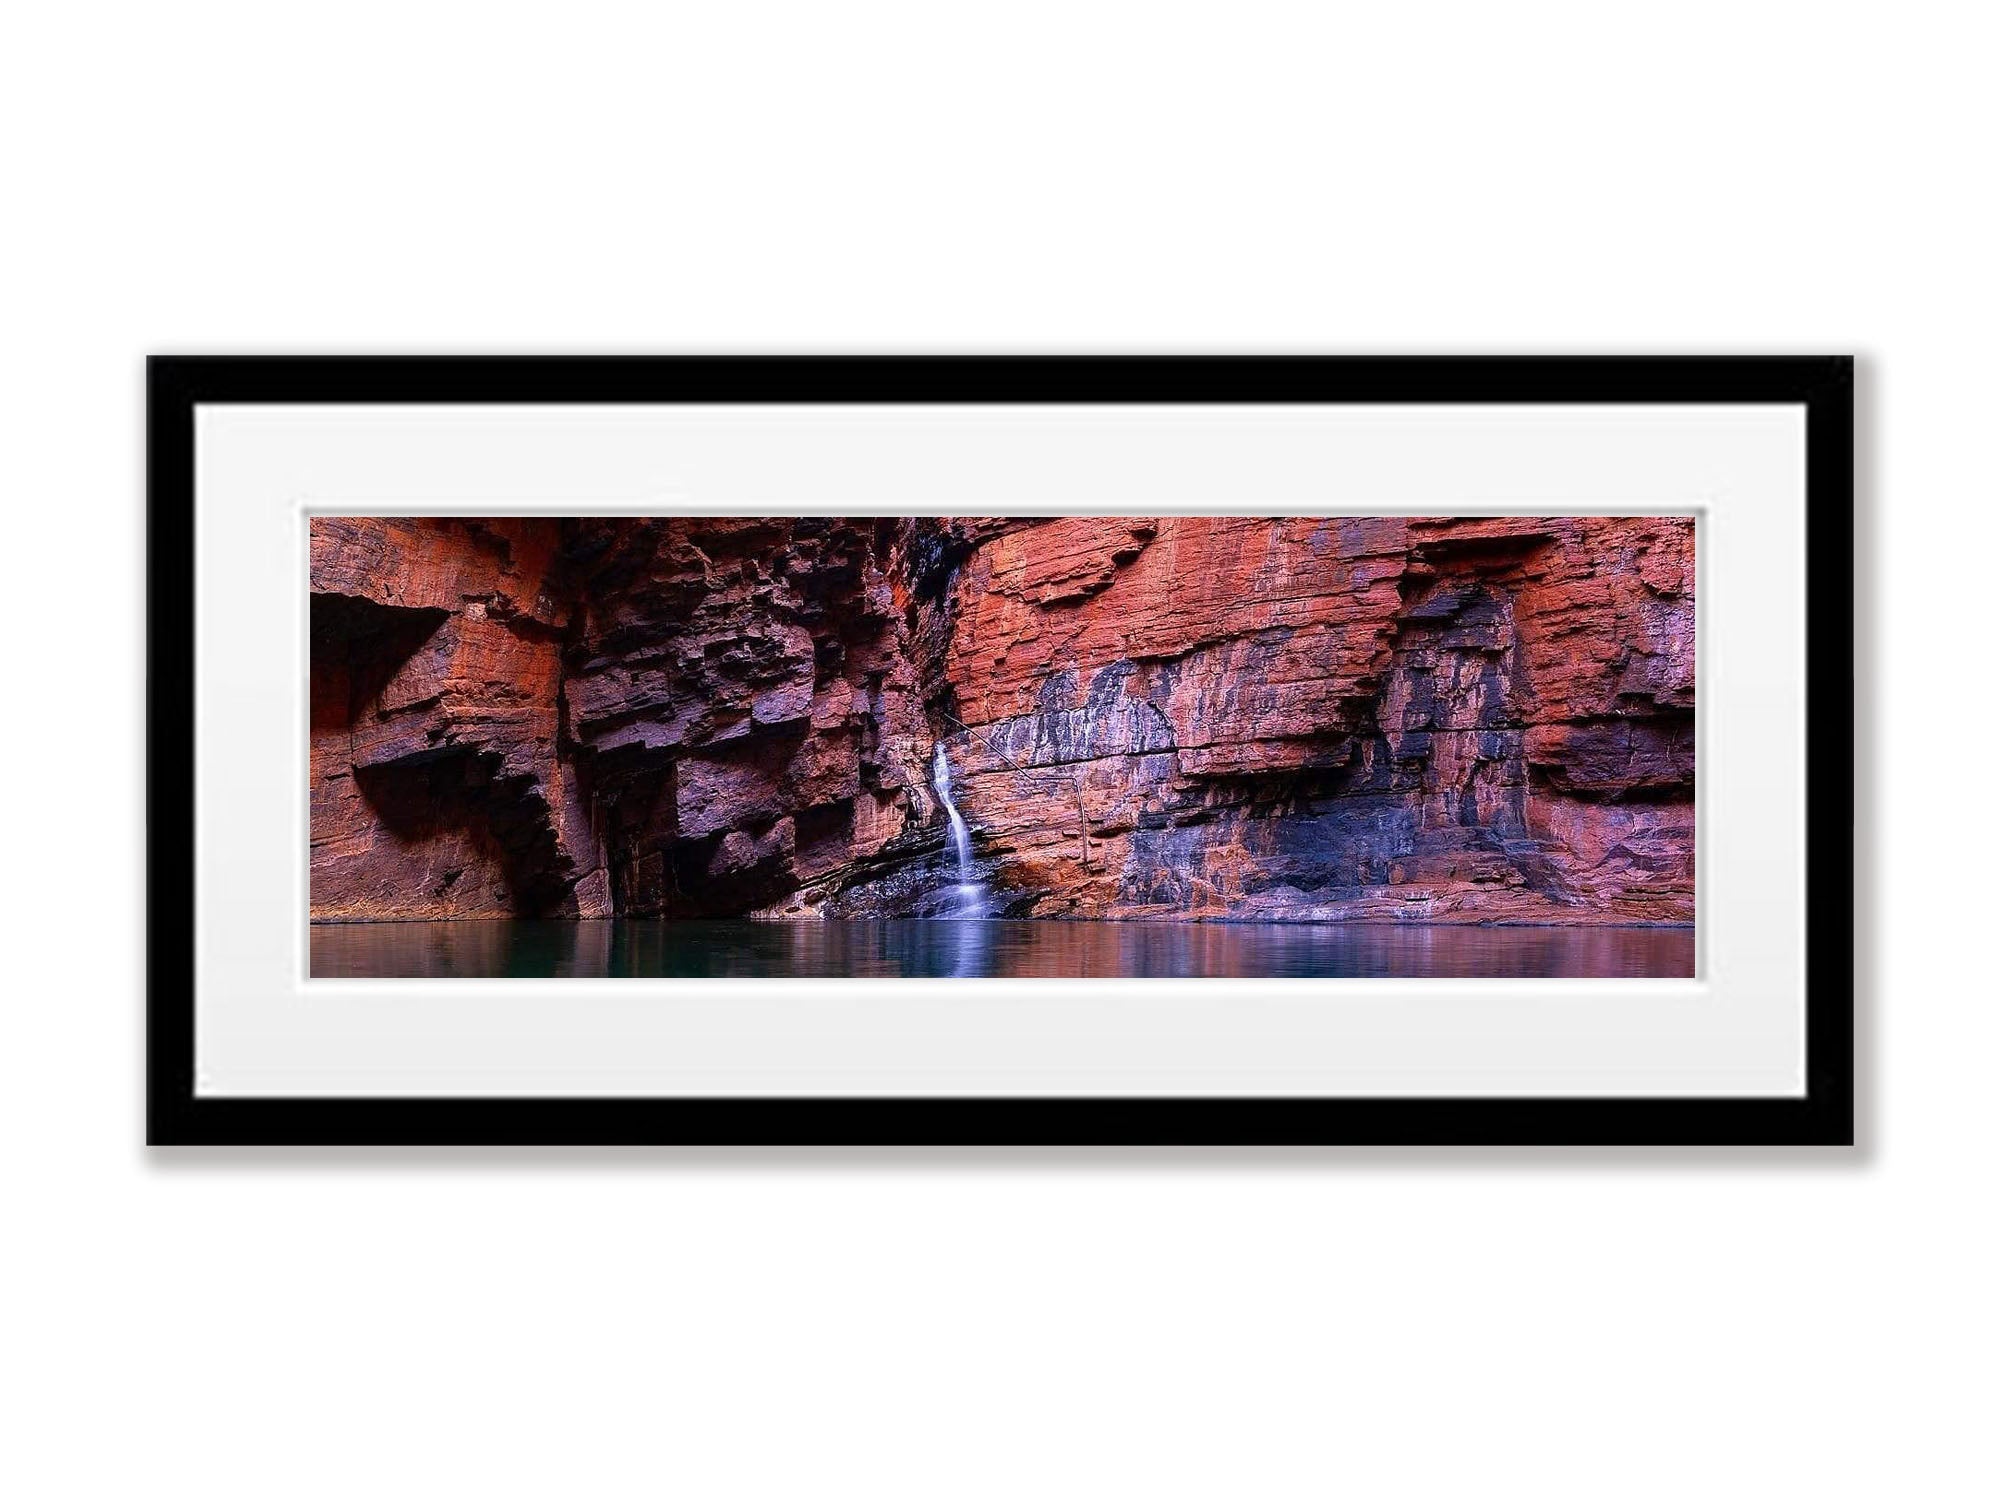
(1823, 1115)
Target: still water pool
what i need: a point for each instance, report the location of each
(992, 949)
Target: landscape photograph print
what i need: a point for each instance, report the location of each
(1091, 746)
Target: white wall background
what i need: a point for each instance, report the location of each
(1528, 177)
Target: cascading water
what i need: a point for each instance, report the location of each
(971, 895)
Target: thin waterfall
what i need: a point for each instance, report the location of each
(971, 894)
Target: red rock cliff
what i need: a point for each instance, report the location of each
(1447, 720)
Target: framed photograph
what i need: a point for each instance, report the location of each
(1001, 750)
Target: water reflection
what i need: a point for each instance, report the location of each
(990, 949)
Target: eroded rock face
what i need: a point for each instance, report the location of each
(740, 706)
(1443, 720)
(436, 787)
(1220, 717)
(685, 717)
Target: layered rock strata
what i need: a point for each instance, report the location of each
(1166, 717)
